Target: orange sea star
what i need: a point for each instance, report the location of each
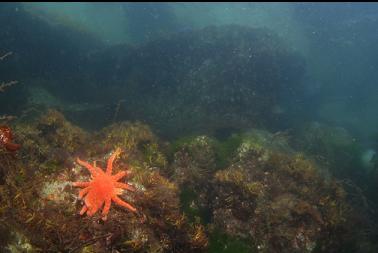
(103, 188)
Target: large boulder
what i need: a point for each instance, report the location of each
(201, 80)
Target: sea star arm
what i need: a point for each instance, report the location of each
(105, 211)
(94, 208)
(119, 175)
(124, 186)
(83, 210)
(109, 167)
(122, 203)
(99, 170)
(83, 192)
(81, 184)
(92, 170)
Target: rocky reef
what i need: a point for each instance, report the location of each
(278, 201)
(190, 82)
(39, 203)
(265, 198)
(202, 80)
(333, 148)
(208, 171)
(249, 192)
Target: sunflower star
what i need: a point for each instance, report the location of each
(103, 188)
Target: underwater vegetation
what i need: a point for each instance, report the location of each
(334, 147)
(262, 196)
(288, 207)
(268, 198)
(39, 200)
(341, 156)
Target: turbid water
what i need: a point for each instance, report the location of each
(188, 127)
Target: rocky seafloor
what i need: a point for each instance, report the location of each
(251, 192)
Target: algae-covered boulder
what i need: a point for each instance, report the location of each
(334, 148)
(192, 167)
(39, 201)
(137, 140)
(199, 81)
(257, 193)
(194, 161)
(279, 201)
(49, 143)
(251, 189)
(190, 82)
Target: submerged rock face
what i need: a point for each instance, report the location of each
(41, 51)
(252, 188)
(206, 80)
(333, 147)
(263, 194)
(201, 81)
(281, 202)
(38, 198)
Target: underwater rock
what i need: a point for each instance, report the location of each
(194, 161)
(334, 148)
(50, 141)
(136, 139)
(193, 165)
(280, 202)
(13, 241)
(256, 191)
(200, 81)
(38, 197)
(258, 140)
(251, 189)
(41, 50)
(195, 81)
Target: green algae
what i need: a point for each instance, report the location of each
(222, 243)
(188, 199)
(224, 150)
(179, 143)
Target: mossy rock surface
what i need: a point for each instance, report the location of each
(279, 200)
(38, 197)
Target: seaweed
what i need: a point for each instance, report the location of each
(38, 198)
(221, 242)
